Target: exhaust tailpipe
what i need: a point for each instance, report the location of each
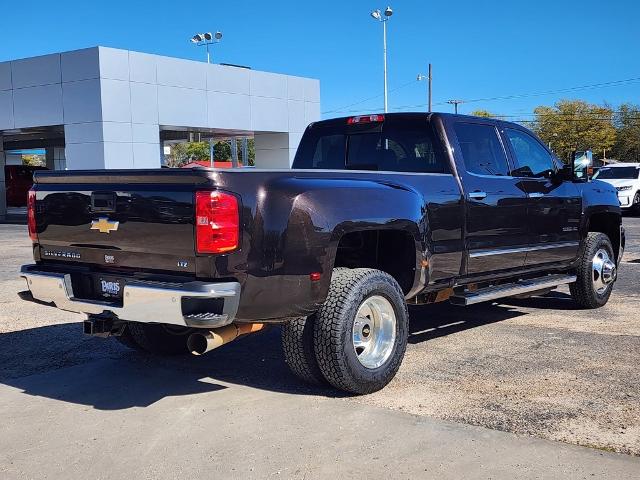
(199, 343)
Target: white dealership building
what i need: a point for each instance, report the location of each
(105, 108)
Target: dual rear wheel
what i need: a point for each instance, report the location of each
(357, 340)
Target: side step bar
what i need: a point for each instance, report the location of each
(511, 289)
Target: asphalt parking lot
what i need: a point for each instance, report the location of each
(481, 393)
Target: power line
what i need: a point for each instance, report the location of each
(487, 99)
(342, 109)
(562, 90)
(536, 94)
(592, 119)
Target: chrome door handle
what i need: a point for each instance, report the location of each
(477, 195)
(536, 195)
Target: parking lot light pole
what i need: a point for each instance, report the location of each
(383, 17)
(206, 39)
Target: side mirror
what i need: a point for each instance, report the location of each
(581, 164)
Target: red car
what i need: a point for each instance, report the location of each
(18, 179)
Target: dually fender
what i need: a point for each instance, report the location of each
(297, 226)
(326, 211)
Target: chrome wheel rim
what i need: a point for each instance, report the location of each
(374, 331)
(603, 271)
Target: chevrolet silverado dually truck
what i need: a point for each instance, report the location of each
(378, 212)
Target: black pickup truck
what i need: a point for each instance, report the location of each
(378, 211)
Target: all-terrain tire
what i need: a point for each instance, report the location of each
(582, 290)
(297, 345)
(333, 331)
(158, 339)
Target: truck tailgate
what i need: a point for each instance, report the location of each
(118, 220)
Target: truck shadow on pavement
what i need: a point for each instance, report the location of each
(60, 363)
(433, 321)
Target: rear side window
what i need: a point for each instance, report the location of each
(329, 152)
(481, 149)
(397, 145)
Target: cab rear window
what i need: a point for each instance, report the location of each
(395, 145)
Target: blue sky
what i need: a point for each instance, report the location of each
(479, 49)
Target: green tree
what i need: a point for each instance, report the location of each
(575, 125)
(183, 153)
(484, 113)
(627, 123)
(251, 146)
(34, 160)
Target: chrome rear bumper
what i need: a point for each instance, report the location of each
(146, 302)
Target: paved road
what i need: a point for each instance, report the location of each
(78, 407)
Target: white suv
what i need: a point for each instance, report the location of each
(625, 177)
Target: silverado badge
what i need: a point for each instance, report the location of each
(104, 225)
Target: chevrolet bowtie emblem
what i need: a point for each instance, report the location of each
(104, 225)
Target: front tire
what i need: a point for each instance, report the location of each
(361, 330)
(596, 272)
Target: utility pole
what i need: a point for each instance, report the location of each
(455, 103)
(429, 78)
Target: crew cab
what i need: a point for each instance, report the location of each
(625, 178)
(377, 212)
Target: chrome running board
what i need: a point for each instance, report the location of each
(510, 289)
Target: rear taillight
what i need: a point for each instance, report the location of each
(31, 216)
(365, 119)
(217, 222)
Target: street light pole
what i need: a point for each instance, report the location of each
(384, 40)
(378, 15)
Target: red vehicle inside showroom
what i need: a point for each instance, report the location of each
(19, 179)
